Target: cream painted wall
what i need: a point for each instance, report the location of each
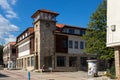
(73, 50)
(24, 53)
(113, 18)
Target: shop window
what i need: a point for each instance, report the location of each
(83, 61)
(32, 61)
(61, 61)
(28, 61)
(72, 61)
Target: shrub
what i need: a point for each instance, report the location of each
(112, 71)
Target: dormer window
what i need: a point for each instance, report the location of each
(65, 30)
(38, 17)
(28, 33)
(82, 32)
(20, 38)
(53, 18)
(71, 31)
(25, 34)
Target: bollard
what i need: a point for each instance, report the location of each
(28, 75)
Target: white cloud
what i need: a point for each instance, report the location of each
(11, 14)
(8, 9)
(5, 30)
(13, 2)
(6, 27)
(4, 4)
(10, 38)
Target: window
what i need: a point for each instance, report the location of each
(24, 48)
(83, 61)
(20, 38)
(28, 61)
(81, 45)
(65, 30)
(70, 44)
(64, 43)
(76, 44)
(26, 34)
(32, 61)
(82, 32)
(72, 61)
(60, 61)
(13, 50)
(71, 31)
(23, 36)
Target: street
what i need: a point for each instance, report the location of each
(23, 75)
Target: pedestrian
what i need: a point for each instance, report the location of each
(43, 68)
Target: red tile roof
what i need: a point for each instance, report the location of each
(68, 26)
(30, 29)
(48, 11)
(10, 43)
(43, 10)
(60, 25)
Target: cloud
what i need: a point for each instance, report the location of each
(13, 2)
(11, 14)
(6, 27)
(10, 38)
(8, 9)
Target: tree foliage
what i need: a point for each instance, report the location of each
(96, 33)
(1, 52)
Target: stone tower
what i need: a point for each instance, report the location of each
(44, 22)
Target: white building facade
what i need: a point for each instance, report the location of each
(9, 55)
(113, 31)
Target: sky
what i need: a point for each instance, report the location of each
(15, 15)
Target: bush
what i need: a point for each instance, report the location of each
(112, 71)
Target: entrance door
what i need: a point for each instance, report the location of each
(25, 64)
(36, 62)
(48, 62)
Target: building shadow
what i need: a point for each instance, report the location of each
(2, 75)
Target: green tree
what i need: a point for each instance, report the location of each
(96, 34)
